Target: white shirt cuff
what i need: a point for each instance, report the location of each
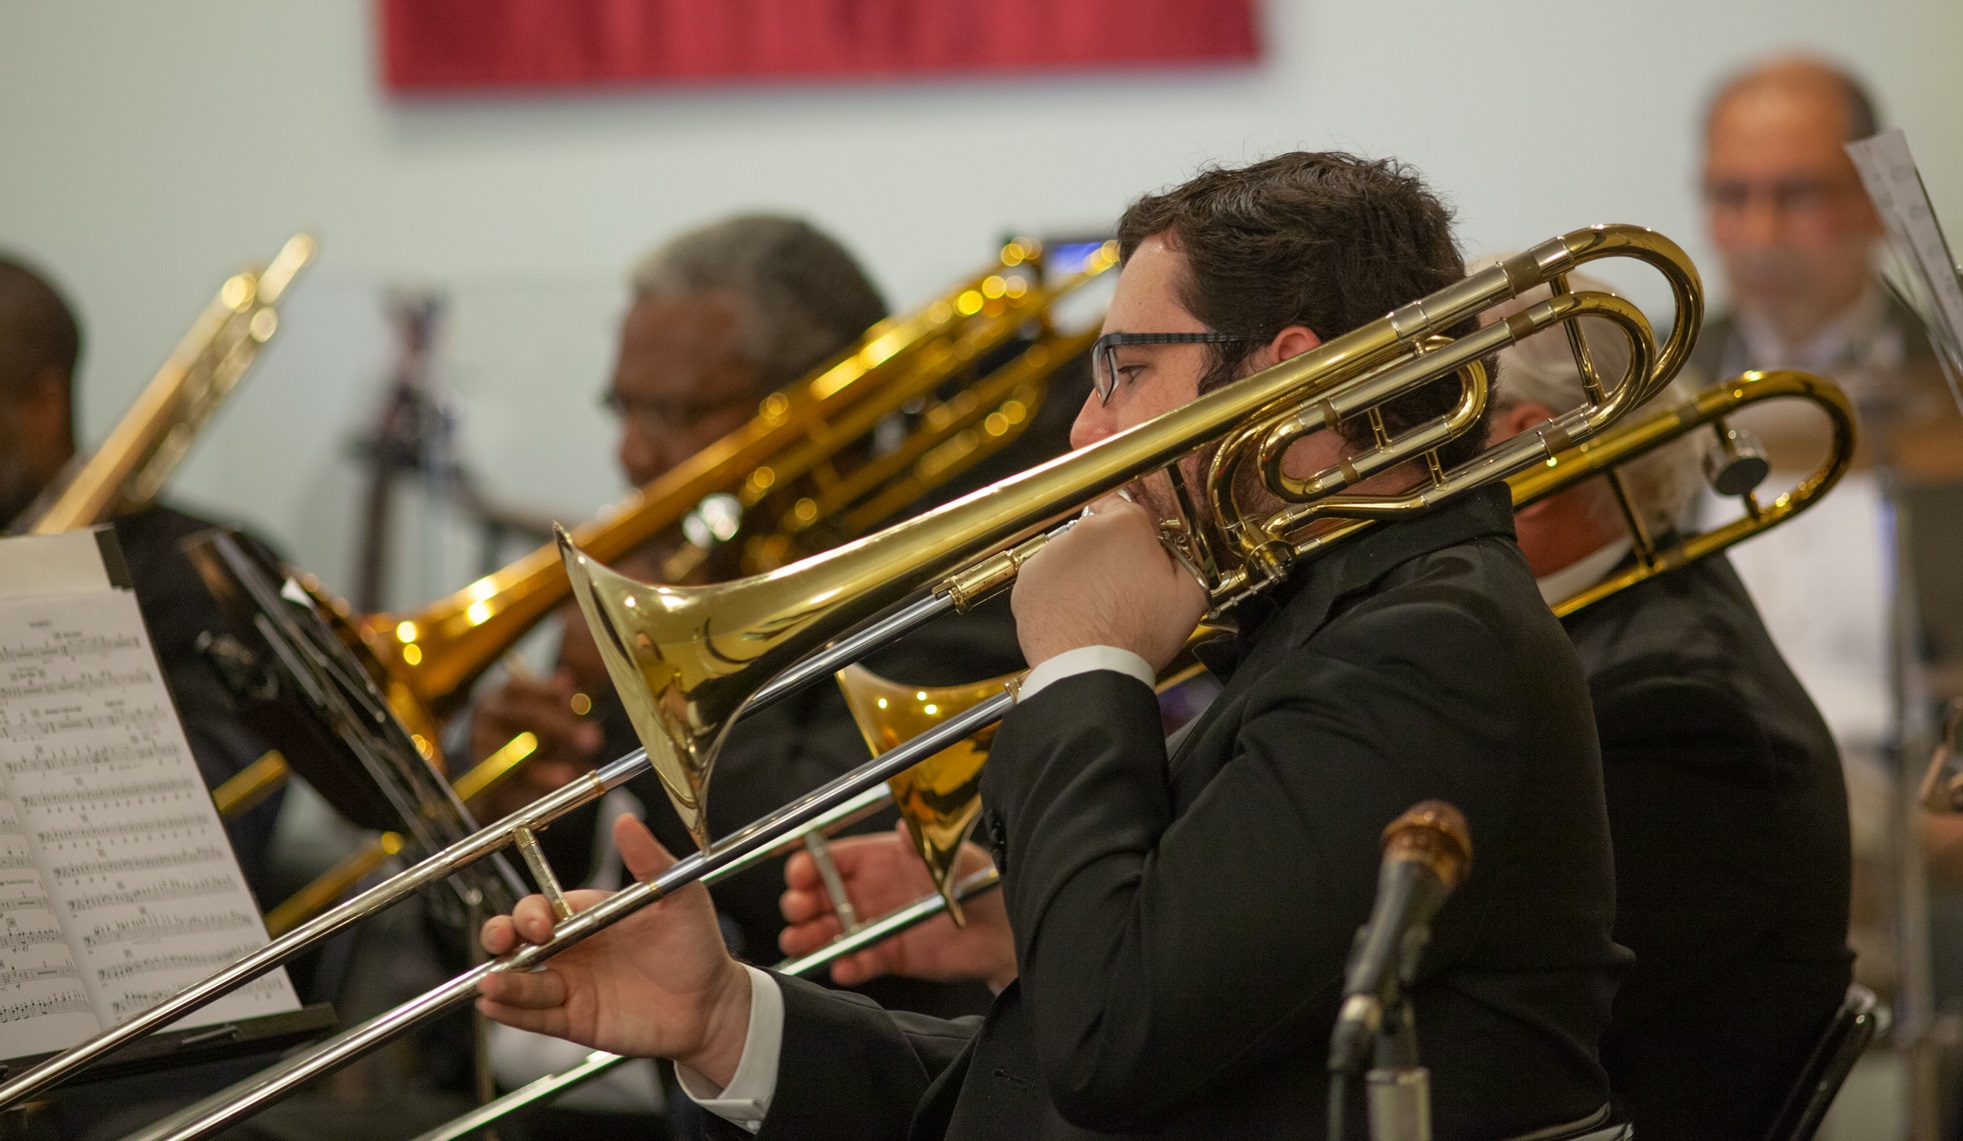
(1083, 660)
(746, 1099)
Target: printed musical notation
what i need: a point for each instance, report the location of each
(117, 883)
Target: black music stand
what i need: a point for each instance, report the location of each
(298, 684)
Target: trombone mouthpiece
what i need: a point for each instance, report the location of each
(1432, 833)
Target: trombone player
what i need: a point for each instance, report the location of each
(40, 347)
(1181, 923)
(1725, 798)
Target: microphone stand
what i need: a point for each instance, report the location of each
(1427, 852)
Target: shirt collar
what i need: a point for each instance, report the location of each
(1583, 573)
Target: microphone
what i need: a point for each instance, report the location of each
(1427, 853)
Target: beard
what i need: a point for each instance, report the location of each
(19, 485)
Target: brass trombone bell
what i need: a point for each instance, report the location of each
(940, 797)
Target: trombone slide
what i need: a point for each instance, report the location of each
(862, 789)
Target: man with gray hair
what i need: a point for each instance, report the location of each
(719, 318)
(1726, 803)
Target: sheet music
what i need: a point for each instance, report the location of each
(113, 811)
(1889, 174)
(43, 1004)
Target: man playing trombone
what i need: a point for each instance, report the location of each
(1181, 922)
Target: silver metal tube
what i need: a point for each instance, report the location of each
(443, 864)
(889, 925)
(739, 850)
(847, 650)
(599, 1062)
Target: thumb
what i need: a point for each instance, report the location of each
(639, 850)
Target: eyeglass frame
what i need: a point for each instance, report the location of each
(673, 417)
(1102, 363)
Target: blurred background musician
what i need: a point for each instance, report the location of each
(40, 346)
(1796, 237)
(720, 317)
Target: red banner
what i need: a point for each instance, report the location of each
(458, 45)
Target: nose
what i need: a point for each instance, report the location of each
(1094, 422)
(642, 457)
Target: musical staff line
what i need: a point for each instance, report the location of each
(22, 940)
(73, 1002)
(147, 927)
(202, 960)
(108, 831)
(71, 797)
(91, 758)
(139, 863)
(153, 893)
(70, 647)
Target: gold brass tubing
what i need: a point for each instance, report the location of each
(145, 446)
(243, 790)
(490, 772)
(332, 884)
(1628, 441)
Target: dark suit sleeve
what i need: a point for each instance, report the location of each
(850, 1069)
(1166, 956)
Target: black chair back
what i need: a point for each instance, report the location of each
(1848, 1033)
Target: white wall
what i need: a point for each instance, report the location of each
(147, 148)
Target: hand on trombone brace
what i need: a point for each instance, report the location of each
(882, 874)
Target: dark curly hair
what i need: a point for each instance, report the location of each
(1322, 239)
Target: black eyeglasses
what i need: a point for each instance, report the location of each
(1104, 366)
(674, 415)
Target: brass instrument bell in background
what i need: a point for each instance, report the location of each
(940, 797)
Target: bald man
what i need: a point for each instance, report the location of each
(40, 345)
(1795, 234)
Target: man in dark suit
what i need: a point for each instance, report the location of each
(40, 346)
(1725, 795)
(1182, 922)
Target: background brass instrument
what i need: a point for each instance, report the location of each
(783, 484)
(940, 797)
(127, 471)
(980, 360)
(689, 659)
(977, 362)
(1730, 473)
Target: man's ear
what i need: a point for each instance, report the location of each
(1509, 422)
(1514, 419)
(47, 416)
(1292, 341)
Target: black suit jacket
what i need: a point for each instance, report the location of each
(1730, 825)
(1182, 923)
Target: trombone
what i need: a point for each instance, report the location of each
(939, 797)
(130, 467)
(690, 658)
(776, 487)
